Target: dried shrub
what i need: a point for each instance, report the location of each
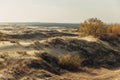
(115, 29)
(95, 27)
(92, 26)
(70, 62)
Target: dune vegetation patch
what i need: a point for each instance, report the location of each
(70, 62)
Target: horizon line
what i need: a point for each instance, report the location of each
(41, 22)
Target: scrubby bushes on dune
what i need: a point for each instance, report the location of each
(92, 26)
(74, 62)
(70, 62)
(113, 29)
(97, 28)
(95, 54)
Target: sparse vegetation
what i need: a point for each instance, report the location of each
(92, 26)
(44, 57)
(115, 29)
(112, 32)
(96, 28)
(70, 62)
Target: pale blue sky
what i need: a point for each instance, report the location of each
(63, 11)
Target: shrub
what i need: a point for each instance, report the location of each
(115, 29)
(92, 26)
(70, 62)
(112, 31)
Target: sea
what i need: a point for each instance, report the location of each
(41, 24)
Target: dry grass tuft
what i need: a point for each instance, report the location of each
(70, 62)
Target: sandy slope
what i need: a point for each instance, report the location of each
(19, 51)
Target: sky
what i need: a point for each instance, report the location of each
(59, 11)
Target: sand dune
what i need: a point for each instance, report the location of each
(31, 53)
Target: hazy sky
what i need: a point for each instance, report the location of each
(65, 11)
